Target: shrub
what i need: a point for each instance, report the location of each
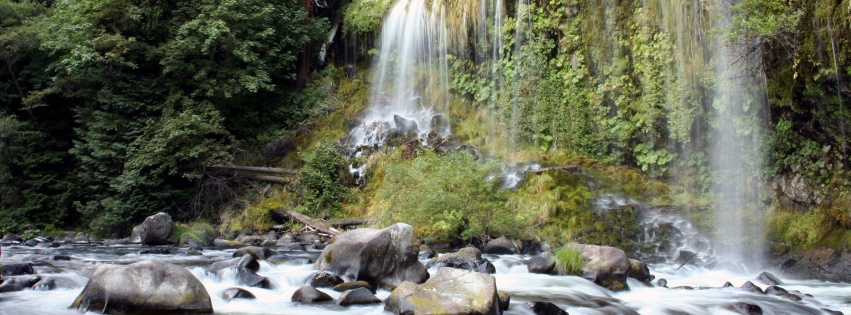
(568, 261)
(324, 178)
(199, 231)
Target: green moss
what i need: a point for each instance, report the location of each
(365, 16)
(568, 261)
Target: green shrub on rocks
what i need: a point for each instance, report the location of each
(568, 261)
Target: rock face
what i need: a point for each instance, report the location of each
(449, 291)
(468, 258)
(606, 266)
(156, 230)
(144, 287)
(384, 258)
(501, 246)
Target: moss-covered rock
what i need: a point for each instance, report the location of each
(449, 291)
(606, 266)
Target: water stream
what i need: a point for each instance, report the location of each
(574, 294)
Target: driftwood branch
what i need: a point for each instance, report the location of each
(273, 170)
(552, 168)
(311, 222)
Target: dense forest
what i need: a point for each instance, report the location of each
(116, 109)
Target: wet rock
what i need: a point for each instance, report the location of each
(246, 261)
(832, 312)
(259, 253)
(237, 293)
(449, 291)
(224, 242)
(61, 257)
(287, 238)
(10, 239)
(543, 308)
(775, 290)
(251, 240)
(143, 287)
(19, 283)
(55, 282)
(81, 238)
(155, 251)
(384, 258)
(309, 238)
(245, 276)
(638, 270)
(745, 308)
(114, 242)
(504, 300)
(17, 269)
(501, 246)
(192, 252)
(290, 247)
(136, 235)
(279, 258)
(31, 243)
(439, 124)
(662, 283)
(768, 278)
(403, 124)
(426, 252)
(543, 263)
(468, 258)
(157, 229)
(324, 279)
(750, 287)
(308, 294)
(728, 285)
(351, 285)
(606, 266)
(359, 296)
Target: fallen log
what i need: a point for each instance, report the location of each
(274, 170)
(348, 222)
(552, 168)
(311, 222)
(269, 179)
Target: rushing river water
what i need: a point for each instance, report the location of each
(574, 294)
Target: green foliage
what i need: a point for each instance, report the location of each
(568, 261)
(325, 180)
(199, 231)
(446, 197)
(366, 16)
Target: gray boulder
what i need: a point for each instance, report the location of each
(403, 124)
(309, 294)
(247, 261)
(244, 276)
(10, 239)
(606, 266)
(324, 279)
(259, 253)
(468, 258)
(768, 278)
(157, 229)
(143, 287)
(17, 269)
(638, 270)
(237, 293)
(18, 283)
(543, 308)
(449, 291)
(502, 246)
(357, 296)
(384, 258)
(543, 263)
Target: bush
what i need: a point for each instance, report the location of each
(446, 197)
(568, 261)
(199, 231)
(324, 178)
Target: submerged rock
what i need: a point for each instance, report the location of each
(745, 308)
(768, 278)
(638, 270)
(247, 261)
(324, 279)
(259, 253)
(384, 258)
(144, 287)
(468, 258)
(543, 308)
(245, 276)
(449, 291)
(17, 269)
(19, 283)
(237, 293)
(309, 294)
(403, 124)
(10, 239)
(351, 285)
(750, 287)
(156, 229)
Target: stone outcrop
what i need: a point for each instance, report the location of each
(156, 229)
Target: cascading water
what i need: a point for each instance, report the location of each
(410, 79)
(736, 151)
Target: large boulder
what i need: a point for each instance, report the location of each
(384, 258)
(144, 287)
(468, 258)
(606, 266)
(502, 246)
(156, 229)
(17, 269)
(309, 294)
(10, 239)
(543, 263)
(449, 291)
(638, 270)
(357, 296)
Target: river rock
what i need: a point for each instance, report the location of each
(259, 253)
(745, 308)
(289, 247)
(157, 229)
(468, 258)
(31, 243)
(768, 278)
(237, 293)
(155, 251)
(662, 283)
(504, 300)
(359, 296)
(287, 238)
(247, 261)
(251, 240)
(309, 294)
(118, 241)
(502, 246)
(224, 242)
(403, 124)
(244, 276)
(351, 285)
(750, 287)
(426, 252)
(606, 266)
(543, 308)
(18, 283)
(638, 270)
(543, 263)
(143, 287)
(10, 239)
(449, 291)
(384, 258)
(55, 282)
(324, 279)
(17, 269)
